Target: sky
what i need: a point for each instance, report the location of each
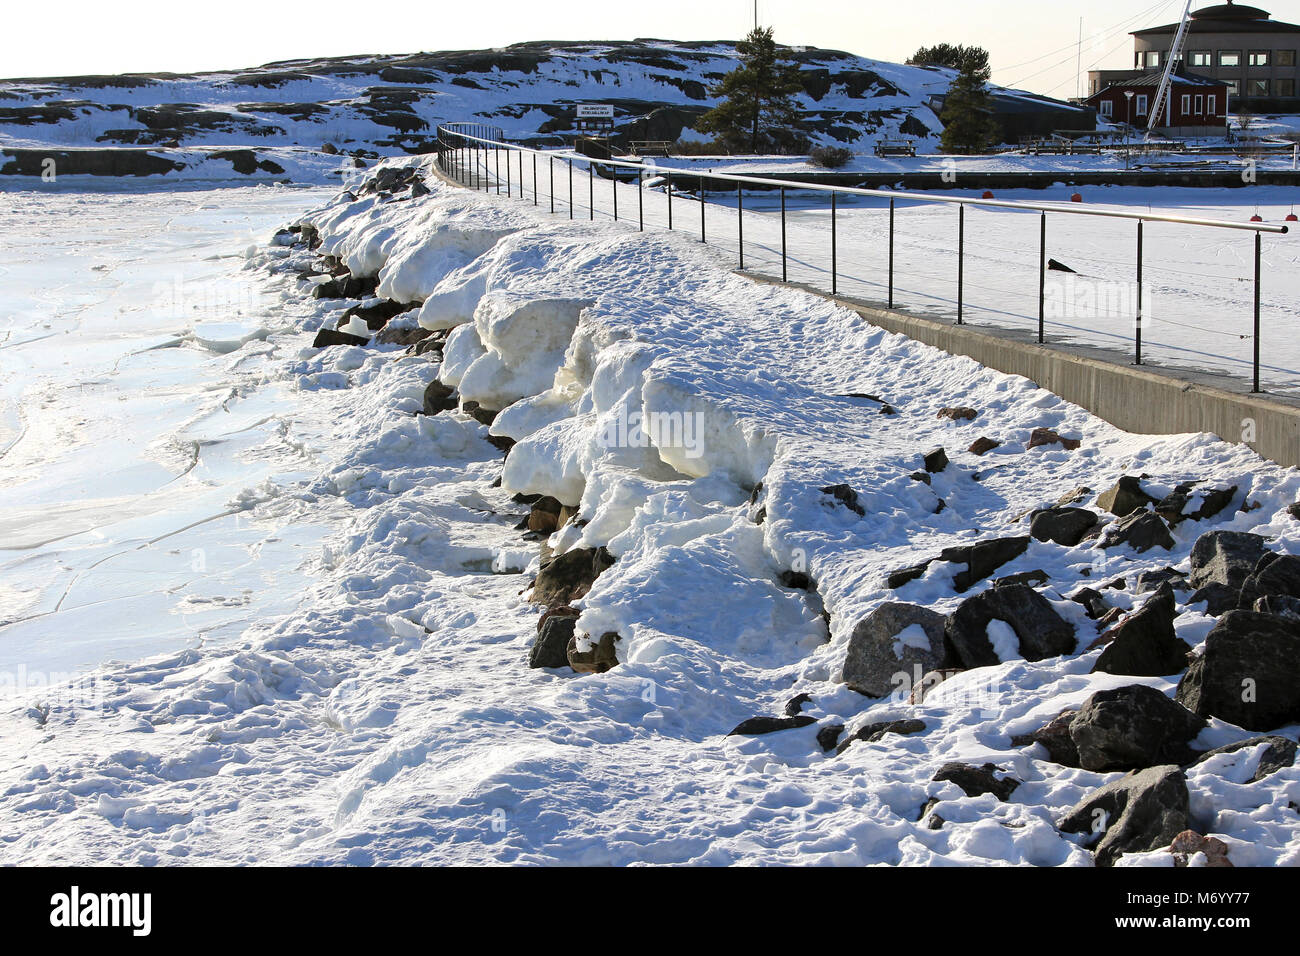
(1034, 45)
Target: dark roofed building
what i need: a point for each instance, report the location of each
(1196, 105)
(1241, 46)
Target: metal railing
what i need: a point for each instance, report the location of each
(467, 156)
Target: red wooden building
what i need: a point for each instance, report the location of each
(1196, 105)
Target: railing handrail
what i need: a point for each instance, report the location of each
(1074, 209)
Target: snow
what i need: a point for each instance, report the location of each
(377, 706)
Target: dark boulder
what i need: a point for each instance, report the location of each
(1274, 576)
(983, 445)
(1055, 738)
(959, 413)
(484, 416)
(976, 781)
(566, 577)
(327, 337)
(1218, 598)
(795, 705)
(1249, 674)
(1035, 578)
(544, 517)
(345, 287)
(1277, 605)
(982, 558)
(439, 398)
(935, 460)
(1144, 644)
(872, 667)
(1132, 727)
(1212, 501)
(878, 731)
(551, 647)
(1138, 813)
(1041, 437)
(1226, 558)
(845, 496)
(757, 726)
(1092, 602)
(1154, 580)
(829, 736)
(376, 316)
(1278, 754)
(1041, 632)
(601, 657)
(1125, 497)
(1063, 526)
(1141, 531)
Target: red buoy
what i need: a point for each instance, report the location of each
(988, 194)
(1076, 198)
(1293, 218)
(1256, 218)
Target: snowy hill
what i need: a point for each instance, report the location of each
(392, 104)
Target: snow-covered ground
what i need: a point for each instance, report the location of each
(379, 707)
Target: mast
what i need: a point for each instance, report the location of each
(1175, 54)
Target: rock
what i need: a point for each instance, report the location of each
(1274, 576)
(935, 460)
(376, 316)
(484, 416)
(1092, 602)
(1140, 812)
(1055, 739)
(544, 518)
(1144, 644)
(327, 337)
(1125, 497)
(1045, 436)
(1249, 674)
(1128, 728)
(1154, 580)
(796, 580)
(409, 337)
(874, 732)
(872, 666)
(975, 781)
(551, 647)
(439, 398)
(432, 343)
(1141, 531)
(1039, 629)
(794, 706)
(1074, 496)
(1278, 605)
(1226, 558)
(922, 476)
(982, 446)
(564, 578)
(829, 736)
(1279, 753)
(1055, 266)
(983, 558)
(929, 682)
(845, 496)
(1036, 578)
(960, 413)
(600, 658)
(897, 579)
(757, 726)
(1189, 843)
(1219, 598)
(345, 287)
(1063, 526)
(1213, 501)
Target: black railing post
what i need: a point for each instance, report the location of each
(670, 201)
(613, 178)
(835, 250)
(785, 270)
(703, 237)
(570, 188)
(536, 199)
(961, 262)
(1138, 325)
(1042, 275)
(640, 202)
(1258, 240)
(496, 161)
(591, 190)
(552, 186)
(509, 185)
(740, 220)
(891, 252)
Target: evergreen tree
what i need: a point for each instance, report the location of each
(759, 112)
(956, 57)
(968, 124)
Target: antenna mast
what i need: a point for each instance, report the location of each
(1175, 54)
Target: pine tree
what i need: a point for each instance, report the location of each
(968, 124)
(957, 57)
(759, 112)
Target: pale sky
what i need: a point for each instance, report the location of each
(1034, 45)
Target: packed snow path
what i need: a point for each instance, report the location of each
(392, 717)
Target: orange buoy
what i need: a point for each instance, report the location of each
(1257, 218)
(1293, 218)
(1076, 198)
(988, 194)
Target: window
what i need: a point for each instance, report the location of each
(1259, 58)
(1210, 104)
(1201, 58)
(1187, 103)
(1234, 88)
(1257, 88)
(1153, 59)
(1142, 105)
(1229, 58)
(1107, 108)
(1284, 87)
(1286, 57)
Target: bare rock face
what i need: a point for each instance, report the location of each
(1063, 526)
(1131, 728)
(1144, 644)
(551, 648)
(1125, 497)
(602, 656)
(880, 650)
(1139, 530)
(1249, 674)
(1040, 631)
(983, 558)
(976, 781)
(439, 398)
(1225, 558)
(1141, 812)
(1275, 576)
(566, 577)
(758, 726)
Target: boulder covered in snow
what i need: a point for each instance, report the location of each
(1003, 624)
(893, 640)
(1139, 530)
(1125, 497)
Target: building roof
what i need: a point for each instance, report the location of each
(1226, 18)
(1151, 79)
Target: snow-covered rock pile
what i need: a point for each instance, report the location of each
(717, 498)
(708, 492)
